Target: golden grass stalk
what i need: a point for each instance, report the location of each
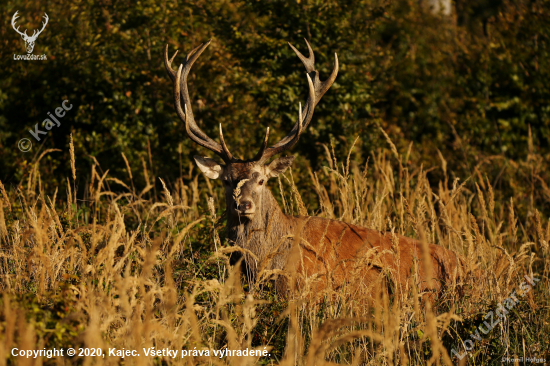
(71, 150)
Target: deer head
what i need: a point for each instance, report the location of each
(29, 41)
(245, 180)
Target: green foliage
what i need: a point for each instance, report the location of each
(57, 321)
(467, 91)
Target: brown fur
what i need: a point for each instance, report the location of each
(331, 253)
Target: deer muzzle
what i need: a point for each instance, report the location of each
(245, 208)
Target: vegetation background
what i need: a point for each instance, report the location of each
(463, 96)
(469, 86)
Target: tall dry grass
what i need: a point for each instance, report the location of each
(126, 268)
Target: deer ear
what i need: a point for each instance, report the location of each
(209, 167)
(279, 165)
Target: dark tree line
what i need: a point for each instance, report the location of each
(470, 84)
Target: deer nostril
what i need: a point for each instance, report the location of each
(245, 205)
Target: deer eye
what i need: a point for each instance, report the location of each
(261, 182)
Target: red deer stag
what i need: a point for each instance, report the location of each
(331, 253)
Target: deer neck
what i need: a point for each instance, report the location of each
(263, 233)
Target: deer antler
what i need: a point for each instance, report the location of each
(181, 92)
(35, 34)
(13, 19)
(316, 90)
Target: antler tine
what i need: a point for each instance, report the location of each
(320, 90)
(190, 60)
(325, 85)
(168, 63)
(307, 110)
(266, 154)
(309, 62)
(13, 20)
(292, 138)
(44, 23)
(316, 90)
(184, 116)
(263, 147)
(320, 87)
(36, 32)
(180, 88)
(224, 146)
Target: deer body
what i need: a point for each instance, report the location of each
(336, 253)
(325, 254)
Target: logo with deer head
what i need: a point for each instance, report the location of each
(29, 40)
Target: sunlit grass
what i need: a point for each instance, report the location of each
(121, 269)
